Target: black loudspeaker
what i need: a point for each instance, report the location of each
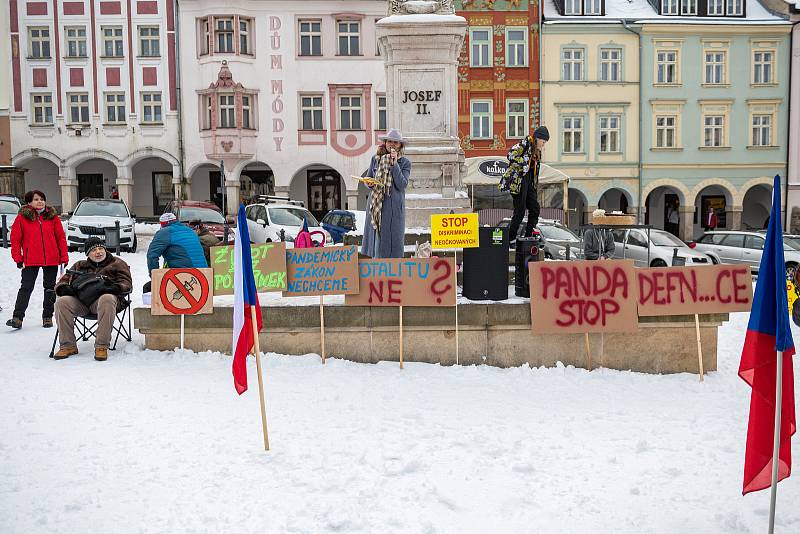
(486, 266)
(528, 249)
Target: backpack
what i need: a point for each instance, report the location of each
(303, 239)
(87, 287)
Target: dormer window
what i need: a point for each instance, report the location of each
(593, 7)
(572, 7)
(716, 7)
(669, 7)
(689, 7)
(734, 8)
(583, 7)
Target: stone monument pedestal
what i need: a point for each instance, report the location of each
(421, 52)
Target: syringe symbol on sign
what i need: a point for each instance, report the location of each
(188, 285)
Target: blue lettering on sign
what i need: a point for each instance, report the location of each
(384, 269)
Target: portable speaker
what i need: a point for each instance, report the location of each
(528, 249)
(486, 266)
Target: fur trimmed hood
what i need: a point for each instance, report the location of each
(29, 213)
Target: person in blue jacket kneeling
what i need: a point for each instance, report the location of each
(177, 243)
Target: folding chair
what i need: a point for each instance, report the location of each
(86, 325)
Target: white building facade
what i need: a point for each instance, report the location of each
(288, 97)
(94, 100)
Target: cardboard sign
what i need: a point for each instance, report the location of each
(455, 230)
(269, 267)
(694, 290)
(321, 271)
(181, 292)
(583, 296)
(405, 282)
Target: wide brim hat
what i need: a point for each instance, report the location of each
(393, 135)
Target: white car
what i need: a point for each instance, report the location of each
(93, 216)
(9, 206)
(272, 222)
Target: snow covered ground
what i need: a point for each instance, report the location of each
(160, 442)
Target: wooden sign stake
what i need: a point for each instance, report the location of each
(588, 351)
(602, 348)
(699, 345)
(455, 281)
(260, 379)
(322, 326)
(401, 337)
(182, 320)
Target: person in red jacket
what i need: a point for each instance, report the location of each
(37, 240)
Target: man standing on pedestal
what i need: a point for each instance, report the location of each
(522, 181)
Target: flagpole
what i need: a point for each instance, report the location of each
(776, 447)
(260, 379)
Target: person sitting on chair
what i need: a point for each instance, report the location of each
(95, 286)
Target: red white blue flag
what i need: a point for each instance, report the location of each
(768, 333)
(245, 297)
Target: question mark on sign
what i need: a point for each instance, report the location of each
(444, 277)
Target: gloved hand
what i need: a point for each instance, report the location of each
(20, 265)
(112, 288)
(64, 290)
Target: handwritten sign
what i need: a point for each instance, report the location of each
(321, 271)
(405, 282)
(583, 296)
(691, 290)
(454, 230)
(269, 267)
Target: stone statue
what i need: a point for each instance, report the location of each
(421, 7)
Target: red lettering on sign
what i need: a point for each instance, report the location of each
(588, 281)
(440, 284)
(727, 298)
(740, 295)
(394, 287)
(581, 311)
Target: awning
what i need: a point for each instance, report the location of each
(487, 170)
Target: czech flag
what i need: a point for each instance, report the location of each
(768, 333)
(244, 298)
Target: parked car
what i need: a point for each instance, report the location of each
(555, 237)
(340, 222)
(743, 247)
(281, 221)
(206, 212)
(93, 216)
(632, 243)
(9, 206)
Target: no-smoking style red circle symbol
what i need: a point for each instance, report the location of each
(183, 291)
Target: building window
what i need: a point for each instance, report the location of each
(516, 46)
(593, 7)
(224, 36)
(149, 41)
(713, 130)
(350, 113)
(310, 38)
(667, 66)
(247, 113)
(39, 39)
(611, 64)
(688, 7)
(481, 118)
(244, 36)
(78, 108)
(349, 34)
(763, 67)
(716, 7)
(42, 105)
(714, 68)
(115, 108)
(573, 134)
(227, 111)
(206, 32)
(382, 127)
(669, 7)
(516, 118)
(762, 130)
(572, 7)
(208, 111)
(113, 45)
(151, 107)
(572, 64)
(609, 133)
(76, 41)
(734, 8)
(311, 111)
(666, 131)
(480, 45)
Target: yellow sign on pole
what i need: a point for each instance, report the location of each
(454, 230)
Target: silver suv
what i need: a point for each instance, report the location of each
(744, 248)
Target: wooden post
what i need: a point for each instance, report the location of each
(322, 326)
(588, 351)
(260, 379)
(455, 281)
(182, 319)
(699, 345)
(401, 337)
(776, 444)
(602, 348)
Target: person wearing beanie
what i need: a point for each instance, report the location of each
(93, 285)
(177, 243)
(521, 179)
(598, 243)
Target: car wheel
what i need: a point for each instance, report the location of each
(714, 260)
(658, 263)
(135, 244)
(72, 249)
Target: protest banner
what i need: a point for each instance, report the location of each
(583, 296)
(269, 267)
(405, 282)
(321, 271)
(454, 230)
(694, 290)
(182, 292)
